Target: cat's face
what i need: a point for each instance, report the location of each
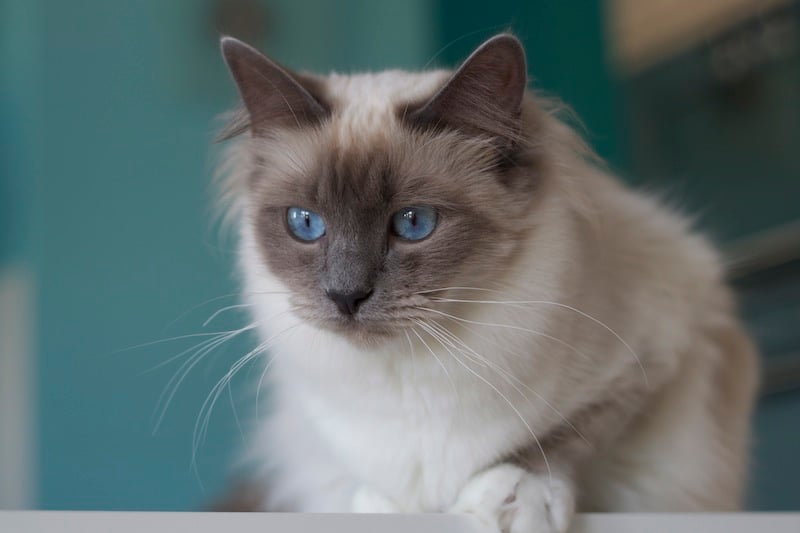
(364, 207)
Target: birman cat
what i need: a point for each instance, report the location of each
(462, 311)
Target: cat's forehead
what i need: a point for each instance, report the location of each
(366, 101)
(376, 89)
(364, 155)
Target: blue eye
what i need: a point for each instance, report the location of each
(414, 223)
(304, 224)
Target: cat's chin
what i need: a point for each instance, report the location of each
(361, 333)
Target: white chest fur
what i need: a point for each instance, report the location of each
(404, 426)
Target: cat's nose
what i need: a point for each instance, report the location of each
(349, 302)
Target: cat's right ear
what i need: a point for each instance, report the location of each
(484, 96)
(272, 95)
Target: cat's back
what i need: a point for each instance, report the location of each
(670, 298)
(636, 236)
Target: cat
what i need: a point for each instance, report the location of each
(465, 312)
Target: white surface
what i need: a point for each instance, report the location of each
(124, 522)
(16, 396)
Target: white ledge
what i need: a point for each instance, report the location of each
(124, 522)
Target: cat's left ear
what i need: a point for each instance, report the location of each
(273, 96)
(484, 96)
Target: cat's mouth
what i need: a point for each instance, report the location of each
(367, 327)
(362, 331)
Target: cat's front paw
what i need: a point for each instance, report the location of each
(370, 501)
(508, 499)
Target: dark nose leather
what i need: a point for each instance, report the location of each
(348, 303)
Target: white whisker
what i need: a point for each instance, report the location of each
(477, 360)
(187, 367)
(508, 326)
(450, 379)
(204, 416)
(413, 358)
(235, 413)
(442, 289)
(216, 298)
(220, 311)
(563, 306)
(261, 378)
(198, 346)
(201, 304)
(503, 396)
(508, 376)
(169, 339)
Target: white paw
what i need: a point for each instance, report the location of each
(508, 499)
(367, 500)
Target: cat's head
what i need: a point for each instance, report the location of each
(366, 195)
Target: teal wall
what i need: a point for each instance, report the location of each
(107, 117)
(129, 90)
(19, 72)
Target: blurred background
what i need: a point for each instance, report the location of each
(107, 239)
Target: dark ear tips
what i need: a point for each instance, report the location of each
(508, 40)
(484, 96)
(506, 44)
(231, 47)
(273, 96)
(502, 57)
(226, 43)
(235, 51)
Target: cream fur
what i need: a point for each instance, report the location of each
(350, 424)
